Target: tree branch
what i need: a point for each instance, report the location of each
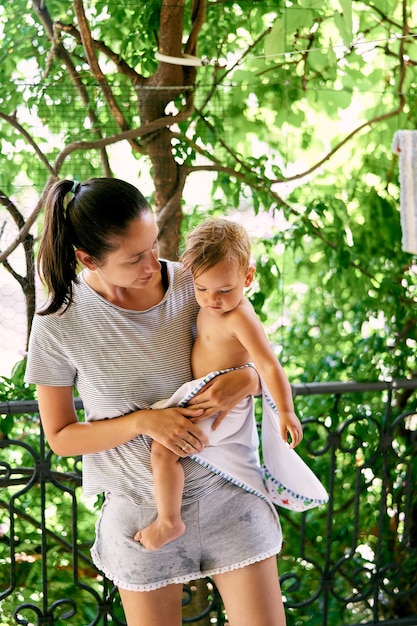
(218, 79)
(127, 135)
(23, 232)
(27, 282)
(166, 212)
(375, 120)
(12, 120)
(87, 145)
(59, 50)
(88, 44)
(265, 186)
(198, 17)
(120, 63)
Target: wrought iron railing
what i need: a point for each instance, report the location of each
(352, 561)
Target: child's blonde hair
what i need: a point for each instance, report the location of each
(214, 241)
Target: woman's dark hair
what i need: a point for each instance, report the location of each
(98, 211)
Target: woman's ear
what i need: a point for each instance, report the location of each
(86, 260)
(249, 276)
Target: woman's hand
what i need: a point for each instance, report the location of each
(69, 437)
(175, 429)
(224, 392)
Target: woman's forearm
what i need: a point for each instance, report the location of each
(69, 437)
(78, 438)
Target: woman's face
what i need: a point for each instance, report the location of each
(133, 264)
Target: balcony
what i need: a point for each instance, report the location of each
(352, 561)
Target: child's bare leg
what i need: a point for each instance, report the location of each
(168, 477)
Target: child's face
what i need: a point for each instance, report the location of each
(220, 288)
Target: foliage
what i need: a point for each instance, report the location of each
(361, 534)
(296, 117)
(293, 120)
(14, 388)
(21, 504)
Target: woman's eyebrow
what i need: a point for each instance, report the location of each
(136, 254)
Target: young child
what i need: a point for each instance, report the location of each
(229, 334)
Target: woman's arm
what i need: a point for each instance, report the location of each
(69, 437)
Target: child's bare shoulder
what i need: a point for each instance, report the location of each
(243, 312)
(245, 307)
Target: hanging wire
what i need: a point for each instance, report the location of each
(188, 60)
(353, 46)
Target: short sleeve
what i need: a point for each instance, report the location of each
(47, 363)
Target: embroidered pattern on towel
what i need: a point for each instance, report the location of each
(284, 478)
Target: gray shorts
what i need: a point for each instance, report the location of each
(226, 530)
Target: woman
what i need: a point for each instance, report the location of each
(121, 332)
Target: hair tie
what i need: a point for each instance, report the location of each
(75, 187)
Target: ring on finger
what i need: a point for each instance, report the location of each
(185, 447)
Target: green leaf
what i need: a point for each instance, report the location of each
(346, 6)
(275, 42)
(343, 22)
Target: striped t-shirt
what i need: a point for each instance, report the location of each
(121, 361)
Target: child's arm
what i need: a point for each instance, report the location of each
(249, 331)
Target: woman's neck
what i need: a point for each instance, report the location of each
(127, 298)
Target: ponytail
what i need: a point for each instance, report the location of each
(57, 263)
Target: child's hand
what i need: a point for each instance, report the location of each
(289, 423)
(223, 393)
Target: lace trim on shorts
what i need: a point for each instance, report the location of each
(182, 579)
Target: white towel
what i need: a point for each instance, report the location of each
(284, 479)
(405, 145)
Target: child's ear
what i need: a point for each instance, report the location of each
(86, 260)
(249, 276)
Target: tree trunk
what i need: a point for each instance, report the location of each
(159, 90)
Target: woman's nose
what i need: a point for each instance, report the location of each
(153, 263)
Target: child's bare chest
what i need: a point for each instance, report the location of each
(216, 336)
(213, 329)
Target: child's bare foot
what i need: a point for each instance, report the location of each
(159, 533)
